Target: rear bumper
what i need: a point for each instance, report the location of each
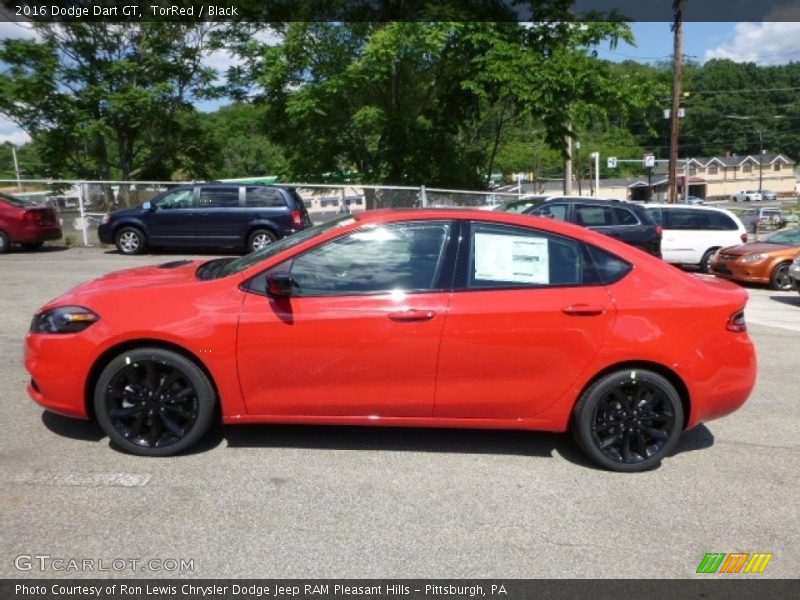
(33, 234)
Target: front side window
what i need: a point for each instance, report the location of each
(505, 256)
(178, 199)
(383, 258)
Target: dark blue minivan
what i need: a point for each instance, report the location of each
(210, 215)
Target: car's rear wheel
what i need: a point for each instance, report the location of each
(780, 279)
(154, 402)
(259, 239)
(130, 240)
(3, 242)
(628, 420)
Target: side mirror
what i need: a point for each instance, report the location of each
(280, 285)
(148, 206)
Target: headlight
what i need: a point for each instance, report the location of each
(754, 258)
(796, 260)
(64, 319)
(106, 218)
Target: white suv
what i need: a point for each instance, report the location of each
(747, 196)
(691, 234)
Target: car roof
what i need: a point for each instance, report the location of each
(686, 206)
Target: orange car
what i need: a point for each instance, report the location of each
(764, 261)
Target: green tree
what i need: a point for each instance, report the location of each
(106, 100)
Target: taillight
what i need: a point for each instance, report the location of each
(297, 219)
(743, 237)
(736, 322)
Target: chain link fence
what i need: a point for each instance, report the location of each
(81, 205)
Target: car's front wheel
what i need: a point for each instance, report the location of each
(628, 420)
(705, 262)
(780, 279)
(154, 402)
(130, 240)
(259, 239)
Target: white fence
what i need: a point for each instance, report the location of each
(82, 204)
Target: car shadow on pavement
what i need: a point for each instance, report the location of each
(395, 439)
(87, 431)
(698, 438)
(790, 300)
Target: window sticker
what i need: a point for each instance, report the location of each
(511, 258)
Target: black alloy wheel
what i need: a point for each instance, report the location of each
(154, 402)
(628, 420)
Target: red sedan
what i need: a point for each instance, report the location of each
(431, 318)
(25, 222)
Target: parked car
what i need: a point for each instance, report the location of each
(794, 272)
(757, 219)
(619, 219)
(433, 318)
(765, 261)
(245, 217)
(694, 200)
(747, 196)
(692, 234)
(27, 223)
(769, 195)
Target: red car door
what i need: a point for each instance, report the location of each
(358, 336)
(522, 328)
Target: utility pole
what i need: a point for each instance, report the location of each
(760, 159)
(16, 166)
(568, 166)
(678, 7)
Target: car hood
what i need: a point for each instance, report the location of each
(167, 274)
(755, 248)
(127, 212)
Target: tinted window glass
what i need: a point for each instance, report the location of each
(685, 219)
(594, 216)
(178, 199)
(505, 256)
(625, 216)
(789, 238)
(655, 214)
(264, 198)
(383, 258)
(552, 210)
(607, 267)
(15, 201)
(718, 220)
(219, 196)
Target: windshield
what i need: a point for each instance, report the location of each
(247, 261)
(14, 200)
(790, 237)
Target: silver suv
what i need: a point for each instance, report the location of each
(762, 219)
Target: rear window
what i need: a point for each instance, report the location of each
(261, 197)
(625, 216)
(15, 201)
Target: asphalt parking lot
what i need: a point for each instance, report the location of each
(280, 501)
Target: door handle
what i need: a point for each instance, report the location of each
(412, 314)
(584, 310)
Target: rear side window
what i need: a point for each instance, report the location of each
(552, 211)
(513, 257)
(608, 268)
(594, 216)
(625, 216)
(260, 197)
(219, 196)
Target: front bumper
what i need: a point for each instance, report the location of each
(736, 271)
(59, 367)
(794, 273)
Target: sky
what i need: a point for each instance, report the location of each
(763, 43)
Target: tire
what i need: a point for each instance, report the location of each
(3, 242)
(130, 240)
(260, 238)
(154, 402)
(780, 280)
(33, 245)
(705, 262)
(628, 420)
